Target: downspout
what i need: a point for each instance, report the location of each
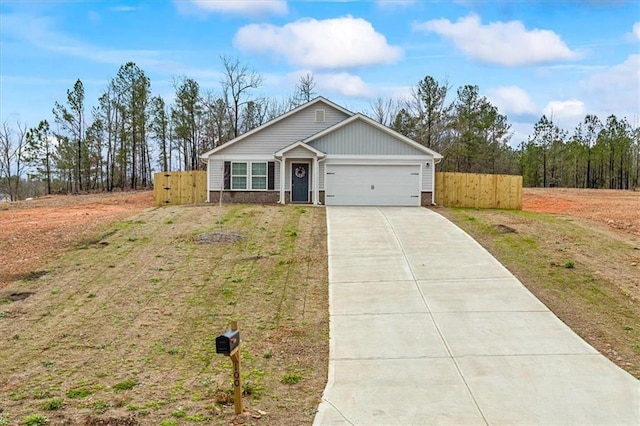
(281, 161)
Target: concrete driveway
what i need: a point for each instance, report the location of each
(428, 328)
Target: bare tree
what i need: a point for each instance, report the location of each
(12, 166)
(237, 82)
(304, 90)
(384, 111)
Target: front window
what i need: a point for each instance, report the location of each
(258, 175)
(239, 176)
(249, 175)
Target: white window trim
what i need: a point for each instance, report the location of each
(265, 175)
(246, 176)
(249, 176)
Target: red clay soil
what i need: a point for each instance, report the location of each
(34, 231)
(614, 208)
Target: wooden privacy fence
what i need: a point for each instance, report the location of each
(478, 190)
(451, 189)
(174, 188)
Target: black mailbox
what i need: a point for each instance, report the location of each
(227, 342)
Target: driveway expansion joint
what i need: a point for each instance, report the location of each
(426, 327)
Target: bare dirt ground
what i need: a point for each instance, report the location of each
(616, 209)
(34, 231)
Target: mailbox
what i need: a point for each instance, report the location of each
(227, 342)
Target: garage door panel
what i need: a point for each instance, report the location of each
(384, 185)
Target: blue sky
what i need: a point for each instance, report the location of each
(566, 58)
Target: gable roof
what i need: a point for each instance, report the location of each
(275, 120)
(294, 145)
(381, 127)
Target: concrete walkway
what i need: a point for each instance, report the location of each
(428, 328)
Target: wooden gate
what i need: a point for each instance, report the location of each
(175, 188)
(478, 190)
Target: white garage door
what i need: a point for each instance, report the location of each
(372, 185)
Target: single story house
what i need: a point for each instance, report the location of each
(321, 153)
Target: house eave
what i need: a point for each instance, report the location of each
(316, 152)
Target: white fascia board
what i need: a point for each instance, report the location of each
(294, 145)
(380, 158)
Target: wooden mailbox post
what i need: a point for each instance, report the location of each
(229, 344)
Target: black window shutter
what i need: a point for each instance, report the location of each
(271, 175)
(227, 175)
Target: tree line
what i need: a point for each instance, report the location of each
(473, 136)
(129, 133)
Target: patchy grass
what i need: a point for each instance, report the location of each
(595, 292)
(145, 300)
(125, 385)
(35, 420)
(53, 404)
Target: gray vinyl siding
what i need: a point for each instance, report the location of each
(321, 171)
(427, 176)
(216, 172)
(300, 152)
(359, 138)
(291, 129)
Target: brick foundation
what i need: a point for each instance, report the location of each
(271, 197)
(259, 197)
(426, 199)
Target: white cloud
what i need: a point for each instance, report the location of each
(616, 89)
(501, 43)
(342, 83)
(235, 7)
(511, 100)
(567, 112)
(636, 30)
(331, 43)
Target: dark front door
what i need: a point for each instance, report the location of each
(299, 182)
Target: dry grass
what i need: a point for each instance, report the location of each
(121, 330)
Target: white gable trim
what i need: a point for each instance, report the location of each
(275, 120)
(377, 125)
(294, 145)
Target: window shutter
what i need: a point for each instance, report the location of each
(271, 175)
(227, 175)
